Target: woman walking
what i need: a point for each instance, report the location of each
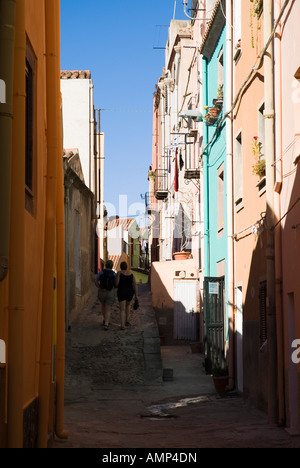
(127, 288)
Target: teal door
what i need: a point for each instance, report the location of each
(214, 313)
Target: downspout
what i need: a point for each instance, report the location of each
(101, 198)
(52, 85)
(206, 178)
(60, 236)
(161, 148)
(270, 180)
(67, 255)
(17, 225)
(277, 232)
(229, 181)
(7, 37)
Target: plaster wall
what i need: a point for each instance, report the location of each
(76, 123)
(250, 206)
(34, 224)
(288, 175)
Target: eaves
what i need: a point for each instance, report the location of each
(182, 34)
(74, 180)
(214, 29)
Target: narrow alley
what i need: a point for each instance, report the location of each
(122, 390)
(169, 162)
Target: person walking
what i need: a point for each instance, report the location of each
(106, 281)
(127, 288)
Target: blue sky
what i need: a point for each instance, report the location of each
(116, 40)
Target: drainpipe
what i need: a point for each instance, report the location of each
(161, 85)
(270, 180)
(67, 255)
(229, 181)
(16, 284)
(7, 37)
(206, 178)
(60, 236)
(52, 85)
(277, 209)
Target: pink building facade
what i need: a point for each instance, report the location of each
(287, 211)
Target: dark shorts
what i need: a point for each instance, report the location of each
(125, 295)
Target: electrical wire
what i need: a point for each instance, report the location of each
(253, 70)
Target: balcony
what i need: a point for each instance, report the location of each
(191, 170)
(161, 184)
(191, 174)
(149, 202)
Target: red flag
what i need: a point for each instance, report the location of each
(176, 172)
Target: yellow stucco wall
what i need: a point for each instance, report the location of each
(30, 232)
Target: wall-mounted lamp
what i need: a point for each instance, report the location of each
(193, 114)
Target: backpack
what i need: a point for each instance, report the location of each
(107, 280)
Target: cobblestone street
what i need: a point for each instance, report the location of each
(115, 396)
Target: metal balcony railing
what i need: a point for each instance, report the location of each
(149, 202)
(161, 184)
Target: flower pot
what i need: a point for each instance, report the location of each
(213, 112)
(220, 382)
(181, 255)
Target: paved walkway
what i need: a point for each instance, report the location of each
(116, 396)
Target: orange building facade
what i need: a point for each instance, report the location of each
(32, 302)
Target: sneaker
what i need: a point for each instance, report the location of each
(122, 328)
(105, 327)
(127, 324)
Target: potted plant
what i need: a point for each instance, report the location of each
(151, 175)
(220, 378)
(212, 114)
(220, 92)
(183, 254)
(259, 167)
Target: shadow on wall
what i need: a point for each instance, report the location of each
(178, 320)
(255, 324)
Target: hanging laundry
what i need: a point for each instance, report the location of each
(181, 163)
(176, 172)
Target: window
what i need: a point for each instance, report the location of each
(238, 166)
(261, 128)
(2, 92)
(29, 138)
(221, 200)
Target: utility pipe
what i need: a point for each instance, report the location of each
(60, 236)
(7, 37)
(100, 215)
(277, 210)
(67, 256)
(229, 182)
(269, 116)
(101, 195)
(17, 234)
(52, 83)
(206, 178)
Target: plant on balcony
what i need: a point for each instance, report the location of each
(255, 11)
(259, 167)
(151, 175)
(220, 92)
(212, 114)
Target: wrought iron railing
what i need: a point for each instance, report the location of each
(161, 184)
